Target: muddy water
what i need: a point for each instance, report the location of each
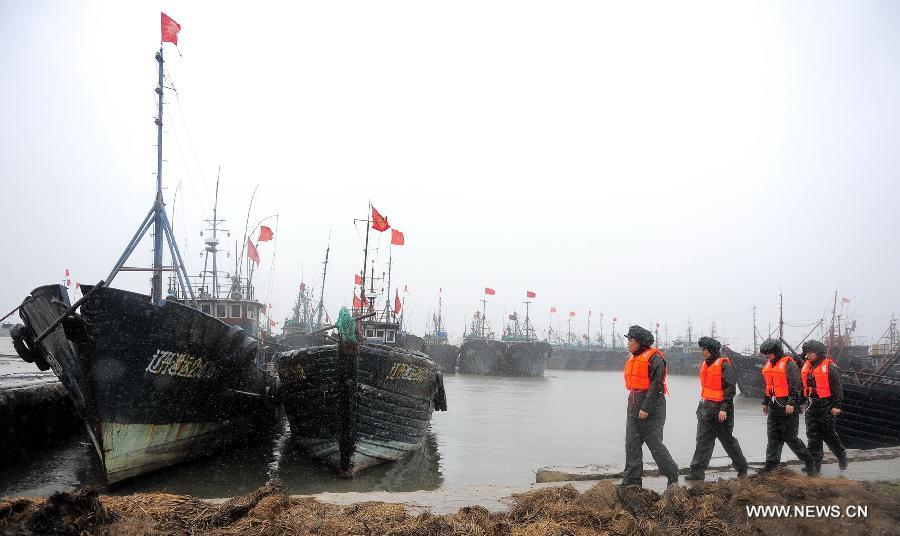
(497, 431)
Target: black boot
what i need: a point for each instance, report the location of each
(817, 468)
(742, 471)
(695, 476)
(810, 467)
(842, 461)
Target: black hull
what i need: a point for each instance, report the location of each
(870, 416)
(445, 356)
(381, 417)
(480, 356)
(749, 372)
(155, 385)
(525, 358)
(587, 359)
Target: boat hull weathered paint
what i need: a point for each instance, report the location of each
(525, 358)
(154, 385)
(481, 356)
(445, 356)
(870, 414)
(382, 415)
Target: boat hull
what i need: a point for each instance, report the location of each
(748, 370)
(525, 358)
(445, 356)
(870, 415)
(154, 385)
(480, 356)
(381, 417)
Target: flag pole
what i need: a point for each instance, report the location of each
(362, 292)
(156, 282)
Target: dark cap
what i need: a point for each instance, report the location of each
(815, 347)
(771, 346)
(710, 344)
(641, 335)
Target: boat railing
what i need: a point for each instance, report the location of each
(234, 288)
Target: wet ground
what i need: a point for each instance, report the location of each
(497, 431)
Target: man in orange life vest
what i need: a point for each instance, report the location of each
(782, 405)
(822, 386)
(715, 414)
(645, 379)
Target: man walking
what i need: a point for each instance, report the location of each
(645, 379)
(822, 385)
(715, 413)
(781, 404)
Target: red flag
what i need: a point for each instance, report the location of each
(615, 319)
(357, 279)
(552, 310)
(843, 300)
(489, 291)
(265, 234)
(170, 30)
(396, 302)
(270, 306)
(68, 283)
(379, 222)
(571, 313)
(589, 312)
(530, 294)
(67, 275)
(77, 286)
(357, 301)
(252, 254)
(272, 322)
(397, 237)
(657, 325)
(302, 286)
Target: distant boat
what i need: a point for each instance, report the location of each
(355, 405)
(517, 353)
(480, 353)
(4, 329)
(303, 327)
(156, 381)
(437, 343)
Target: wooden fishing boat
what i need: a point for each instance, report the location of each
(870, 416)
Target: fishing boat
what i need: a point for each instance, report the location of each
(4, 329)
(366, 400)
(156, 381)
(870, 413)
(303, 327)
(524, 355)
(480, 353)
(437, 343)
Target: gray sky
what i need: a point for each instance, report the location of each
(650, 161)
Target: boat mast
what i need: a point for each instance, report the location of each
(755, 342)
(589, 328)
(387, 300)
(483, 317)
(362, 290)
(781, 316)
(322, 291)
(528, 329)
(438, 328)
(159, 221)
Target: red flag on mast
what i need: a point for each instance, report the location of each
(571, 313)
(379, 222)
(529, 294)
(357, 280)
(397, 238)
(265, 234)
(357, 301)
(489, 291)
(396, 302)
(252, 253)
(552, 309)
(170, 30)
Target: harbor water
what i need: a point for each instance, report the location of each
(496, 431)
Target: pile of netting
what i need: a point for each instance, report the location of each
(716, 508)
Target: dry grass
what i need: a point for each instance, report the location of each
(710, 509)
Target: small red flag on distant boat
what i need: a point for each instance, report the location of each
(170, 29)
(77, 286)
(843, 300)
(396, 302)
(302, 286)
(552, 310)
(530, 294)
(68, 283)
(272, 322)
(67, 274)
(489, 291)
(397, 237)
(615, 319)
(379, 222)
(357, 280)
(265, 234)
(357, 301)
(252, 253)
(571, 313)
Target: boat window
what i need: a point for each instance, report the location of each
(379, 334)
(205, 308)
(370, 332)
(221, 310)
(236, 311)
(389, 335)
(251, 312)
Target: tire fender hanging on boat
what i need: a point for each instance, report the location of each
(23, 342)
(440, 397)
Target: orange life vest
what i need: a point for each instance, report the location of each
(820, 373)
(776, 377)
(637, 371)
(711, 380)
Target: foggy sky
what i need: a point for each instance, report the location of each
(657, 162)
